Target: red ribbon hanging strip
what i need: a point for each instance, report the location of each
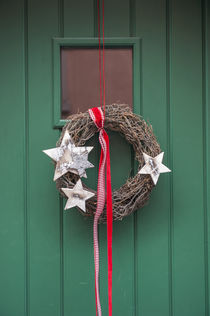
(104, 194)
(99, 50)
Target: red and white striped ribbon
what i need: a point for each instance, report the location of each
(104, 166)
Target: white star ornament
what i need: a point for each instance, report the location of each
(77, 196)
(68, 157)
(154, 166)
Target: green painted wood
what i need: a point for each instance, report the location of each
(77, 235)
(186, 103)
(161, 254)
(205, 121)
(206, 117)
(12, 197)
(152, 223)
(80, 14)
(43, 201)
(123, 250)
(117, 18)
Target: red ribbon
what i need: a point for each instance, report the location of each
(97, 116)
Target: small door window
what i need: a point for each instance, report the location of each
(80, 88)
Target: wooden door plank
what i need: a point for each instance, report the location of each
(152, 222)
(117, 18)
(186, 106)
(79, 18)
(77, 235)
(43, 208)
(13, 173)
(206, 118)
(117, 23)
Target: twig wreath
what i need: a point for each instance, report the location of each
(135, 192)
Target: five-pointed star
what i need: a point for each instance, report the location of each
(80, 163)
(154, 166)
(77, 196)
(69, 157)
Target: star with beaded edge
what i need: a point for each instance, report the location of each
(154, 166)
(68, 157)
(77, 196)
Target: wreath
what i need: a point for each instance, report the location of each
(71, 161)
(119, 118)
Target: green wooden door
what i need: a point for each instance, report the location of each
(161, 253)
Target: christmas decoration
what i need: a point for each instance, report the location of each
(119, 118)
(77, 196)
(71, 157)
(68, 157)
(104, 195)
(154, 166)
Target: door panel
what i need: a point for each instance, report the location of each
(153, 253)
(13, 159)
(78, 255)
(160, 254)
(186, 105)
(44, 235)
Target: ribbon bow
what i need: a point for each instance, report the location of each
(97, 116)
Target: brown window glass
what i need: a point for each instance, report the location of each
(80, 88)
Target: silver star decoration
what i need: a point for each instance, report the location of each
(154, 166)
(80, 163)
(77, 196)
(69, 158)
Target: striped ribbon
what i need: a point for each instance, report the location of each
(104, 173)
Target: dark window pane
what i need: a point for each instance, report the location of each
(80, 86)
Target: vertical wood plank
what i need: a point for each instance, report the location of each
(43, 201)
(186, 103)
(207, 133)
(117, 23)
(205, 89)
(77, 236)
(79, 18)
(152, 231)
(12, 198)
(116, 20)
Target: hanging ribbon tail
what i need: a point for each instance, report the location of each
(109, 223)
(104, 172)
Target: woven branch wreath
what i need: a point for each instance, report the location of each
(135, 192)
